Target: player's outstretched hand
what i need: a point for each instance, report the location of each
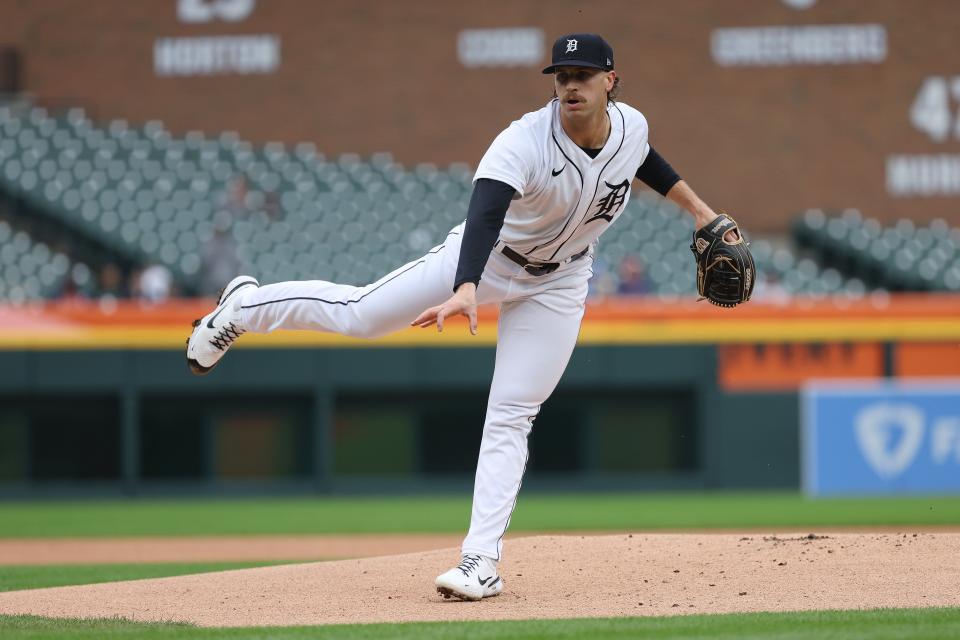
(461, 303)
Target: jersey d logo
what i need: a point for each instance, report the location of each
(610, 204)
(571, 45)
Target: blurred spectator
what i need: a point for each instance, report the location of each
(633, 277)
(602, 283)
(112, 285)
(240, 202)
(78, 284)
(154, 283)
(69, 290)
(111, 282)
(218, 257)
(235, 198)
(271, 205)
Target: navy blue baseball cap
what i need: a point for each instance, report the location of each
(581, 50)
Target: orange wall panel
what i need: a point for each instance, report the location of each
(781, 367)
(927, 359)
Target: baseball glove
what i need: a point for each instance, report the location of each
(725, 270)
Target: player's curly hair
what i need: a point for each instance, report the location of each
(614, 93)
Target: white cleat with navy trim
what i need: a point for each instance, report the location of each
(215, 332)
(474, 578)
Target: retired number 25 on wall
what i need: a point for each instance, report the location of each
(881, 439)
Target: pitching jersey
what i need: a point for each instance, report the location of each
(564, 199)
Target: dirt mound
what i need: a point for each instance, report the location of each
(548, 577)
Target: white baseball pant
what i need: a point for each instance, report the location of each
(539, 322)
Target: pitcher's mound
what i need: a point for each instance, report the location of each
(547, 577)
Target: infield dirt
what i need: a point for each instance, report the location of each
(548, 577)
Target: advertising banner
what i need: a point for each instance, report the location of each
(888, 438)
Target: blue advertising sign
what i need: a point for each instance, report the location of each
(881, 438)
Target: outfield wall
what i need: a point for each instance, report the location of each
(657, 395)
(401, 418)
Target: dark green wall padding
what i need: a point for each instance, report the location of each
(396, 419)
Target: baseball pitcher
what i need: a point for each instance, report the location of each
(549, 185)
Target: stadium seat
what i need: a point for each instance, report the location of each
(899, 257)
(154, 197)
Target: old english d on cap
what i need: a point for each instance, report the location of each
(581, 50)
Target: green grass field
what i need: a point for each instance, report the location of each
(928, 624)
(35, 577)
(568, 512)
(560, 512)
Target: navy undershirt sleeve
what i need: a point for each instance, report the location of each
(485, 215)
(656, 173)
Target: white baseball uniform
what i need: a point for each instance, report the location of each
(564, 200)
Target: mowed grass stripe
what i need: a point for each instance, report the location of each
(885, 624)
(402, 514)
(18, 577)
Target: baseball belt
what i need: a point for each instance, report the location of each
(539, 268)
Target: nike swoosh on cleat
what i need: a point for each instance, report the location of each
(225, 298)
(213, 317)
(483, 581)
(556, 173)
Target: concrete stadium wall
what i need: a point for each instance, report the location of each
(762, 139)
